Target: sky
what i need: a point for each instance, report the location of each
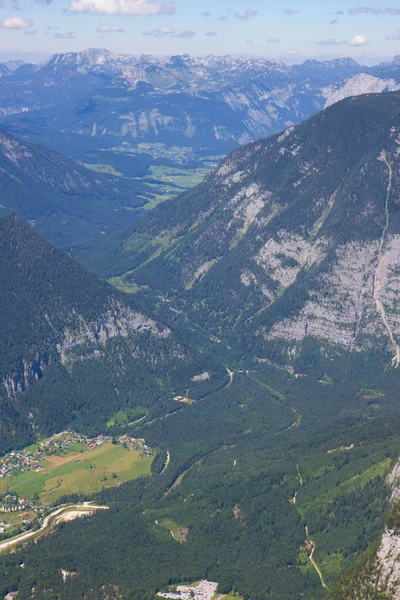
(290, 30)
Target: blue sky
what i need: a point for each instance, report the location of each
(290, 31)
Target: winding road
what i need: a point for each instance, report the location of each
(60, 515)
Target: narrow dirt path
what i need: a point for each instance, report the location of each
(310, 542)
(316, 567)
(138, 420)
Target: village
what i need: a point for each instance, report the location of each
(20, 511)
(33, 458)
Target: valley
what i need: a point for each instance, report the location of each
(216, 381)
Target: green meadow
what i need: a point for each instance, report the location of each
(83, 472)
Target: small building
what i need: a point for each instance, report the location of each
(13, 507)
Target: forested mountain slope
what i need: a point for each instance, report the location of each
(71, 348)
(293, 238)
(66, 201)
(269, 381)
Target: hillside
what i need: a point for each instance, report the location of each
(72, 350)
(293, 238)
(64, 200)
(259, 343)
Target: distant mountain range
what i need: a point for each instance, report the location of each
(13, 65)
(98, 100)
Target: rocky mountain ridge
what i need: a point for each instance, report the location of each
(95, 98)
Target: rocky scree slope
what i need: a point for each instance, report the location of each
(294, 237)
(96, 99)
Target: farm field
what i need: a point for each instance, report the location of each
(184, 178)
(87, 471)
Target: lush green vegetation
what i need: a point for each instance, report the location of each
(237, 461)
(67, 202)
(82, 472)
(281, 456)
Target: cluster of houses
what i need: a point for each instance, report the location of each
(135, 444)
(61, 441)
(13, 504)
(26, 460)
(19, 462)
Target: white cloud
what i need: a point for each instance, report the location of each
(250, 12)
(289, 11)
(360, 10)
(169, 32)
(273, 40)
(121, 7)
(393, 36)
(16, 23)
(186, 33)
(359, 40)
(331, 42)
(160, 32)
(383, 10)
(110, 29)
(210, 33)
(67, 35)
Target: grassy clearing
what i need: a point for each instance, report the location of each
(108, 465)
(123, 286)
(178, 532)
(127, 417)
(360, 480)
(108, 169)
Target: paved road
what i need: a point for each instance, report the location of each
(64, 513)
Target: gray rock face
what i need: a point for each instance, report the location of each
(385, 574)
(300, 233)
(87, 339)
